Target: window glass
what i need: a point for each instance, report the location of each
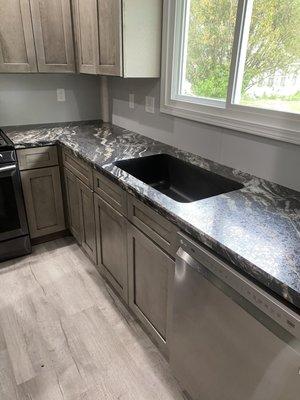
(271, 77)
(210, 26)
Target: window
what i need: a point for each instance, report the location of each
(234, 63)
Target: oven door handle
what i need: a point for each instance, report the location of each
(8, 168)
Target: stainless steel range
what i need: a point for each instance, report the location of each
(14, 237)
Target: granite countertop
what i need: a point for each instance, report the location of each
(256, 229)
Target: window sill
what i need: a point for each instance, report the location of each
(286, 130)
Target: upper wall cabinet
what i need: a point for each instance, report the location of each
(36, 36)
(118, 37)
(52, 27)
(17, 52)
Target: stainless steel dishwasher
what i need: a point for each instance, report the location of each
(230, 339)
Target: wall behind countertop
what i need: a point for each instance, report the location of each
(31, 98)
(269, 159)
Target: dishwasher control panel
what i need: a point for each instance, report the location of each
(286, 318)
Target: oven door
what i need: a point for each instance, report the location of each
(13, 221)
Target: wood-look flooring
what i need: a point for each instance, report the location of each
(64, 335)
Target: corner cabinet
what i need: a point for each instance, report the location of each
(118, 37)
(81, 218)
(17, 50)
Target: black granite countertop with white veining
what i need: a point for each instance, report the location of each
(256, 229)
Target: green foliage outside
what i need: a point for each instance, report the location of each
(274, 43)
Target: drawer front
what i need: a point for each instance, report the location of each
(37, 157)
(111, 193)
(79, 168)
(159, 229)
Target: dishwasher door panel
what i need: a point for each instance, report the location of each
(219, 351)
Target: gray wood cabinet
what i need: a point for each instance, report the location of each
(37, 157)
(36, 36)
(87, 220)
(150, 277)
(86, 35)
(97, 28)
(118, 37)
(52, 26)
(111, 228)
(78, 167)
(155, 226)
(110, 39)
(71, 188)
(81, 217)
(17, 51)
(43, 201)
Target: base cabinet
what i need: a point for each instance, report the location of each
(81, 217)
(71, 188)
(43, 200)
(87, 220)
(111, 228)
(150, 276)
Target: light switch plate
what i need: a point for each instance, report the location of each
(131, 101)
(61, 94)
(150, 104)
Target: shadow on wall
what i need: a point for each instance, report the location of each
(266, 158)
(32, 98)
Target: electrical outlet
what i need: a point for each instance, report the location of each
(61, 94)
(131, 101)
(150, 104)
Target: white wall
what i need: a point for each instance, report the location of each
(31, 99)
(273, 160)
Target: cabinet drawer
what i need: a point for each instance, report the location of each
(159, 229)
(37, 157)
(110, 192)
(79, 168)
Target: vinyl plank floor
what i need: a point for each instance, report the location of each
(64, 335)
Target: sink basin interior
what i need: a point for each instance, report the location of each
(177, 179)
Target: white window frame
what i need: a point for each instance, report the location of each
(273, 124)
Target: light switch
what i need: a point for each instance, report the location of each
(61, 94)
(150, 104)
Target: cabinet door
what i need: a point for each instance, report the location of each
(110, 37)
(111, 230)
(87, 220)
(150, 277)
(43, 200)
(52, 25)
(86, 35)
(17, 52)
(72, 195)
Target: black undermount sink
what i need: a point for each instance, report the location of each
(177, 179)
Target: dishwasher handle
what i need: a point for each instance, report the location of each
(205, 262)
